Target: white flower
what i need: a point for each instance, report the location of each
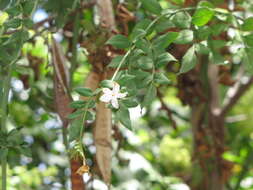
(112, 96)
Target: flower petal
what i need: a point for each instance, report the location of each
(115, 103)
(105, 98)
(116, 88)
(121, 95)
(107, 91)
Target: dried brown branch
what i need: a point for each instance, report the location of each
(235, 92)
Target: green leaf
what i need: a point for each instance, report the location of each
(116, 61)
(248, 24)
(163, 25)
(126, 78)
(91, 104)
(203, 14)
(78, 104)
(140, 29)
(182, 20)
(25, 151)
(129, 102)
(249, 40)
(14, 137)
(119, 41)
(143, 45)
(74, 129)
(203, 33)
(164, 59)
(184, 37)
(28, 6)
(124, 117)
(3, 17)
(3, 153)
(84, 91)
(165, 40)
(189, 60)
(106, 84)
(75, 114)
(150, 95)
(152, 6)
(13, 23)
(145, 62)
(160, 78)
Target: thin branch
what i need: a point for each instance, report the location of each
(167, 109)
(235, 93)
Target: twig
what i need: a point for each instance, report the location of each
(165, 107)
(238, 90)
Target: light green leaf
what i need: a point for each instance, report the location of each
(184, 37)
(152, 6)
(203, 14)
(248, 24)
(189, 60)
(119, 41)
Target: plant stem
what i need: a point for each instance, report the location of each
(74, 47)
(4, 103)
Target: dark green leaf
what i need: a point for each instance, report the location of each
(164, 59)
(143, 45)
(84, 91)
(189, 60)
(116, 61)
(106, 84)
(160, 78)
(124, 117)
(145, 62)
(129, 102)
(78, 104)
(74, 129)
(13, 23)
(3, 153)
(140, 29)
(152, 6)
(182, 20)
(119, 41)
(75, 114)
(150, 95)
(165, 40)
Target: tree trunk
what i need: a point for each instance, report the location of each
(208, 133)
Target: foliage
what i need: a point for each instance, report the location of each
(147, 67)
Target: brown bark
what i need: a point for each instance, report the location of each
(62, 101)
